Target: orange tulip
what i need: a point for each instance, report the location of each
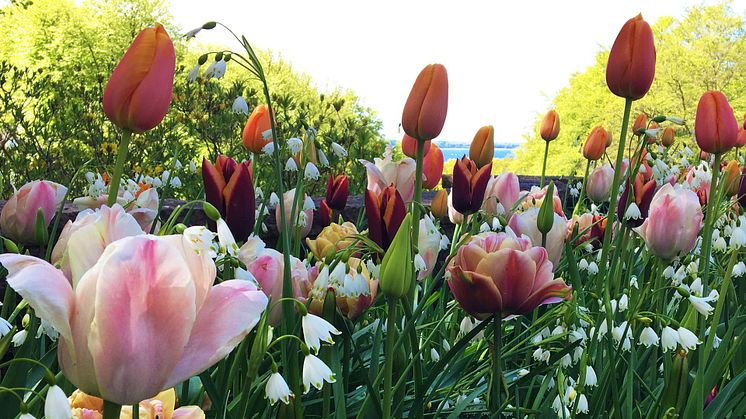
(732, 178)
(653, 138)
(595, 145)
(668, 136)
(641, 123)
(715, 126)
(631, 66)
(139, 90)
(482, 148)
(254, 134)
(432, 167)
(550, 126)
(409, 146)
(425, 111)
(439, 204)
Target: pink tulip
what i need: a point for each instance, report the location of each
(501, 273)
(503, 189)
(82, 242)
(144, 207)
(386, 172)
(673, 223)
(525, 223)
(428, 245)
(267, 267)
(305, 215)
(535, 197)
(18, 217)
(145, 317)
(598, 187)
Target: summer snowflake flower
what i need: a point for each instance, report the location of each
(582, 404)
(216, 70)
(739, 269)
(308, 204)
(277, 389)
(269, 148)
(669, 339)
(193, 74)
(419, 263)
(738, 238)
(26, 416)
(311, 172)
(339, 150)
(295, 144)
(633, 212)
(701, 303)
(687, 339)
(56, 405)
(19, 338)
(192, 33)
(226, 239)
(323, 161)
(434, 355)
(541, 355)
(290, 166)
(240, 105)
(590, 376)
(648, 337)
(5, 327)
(274, 200)
(316, 330)
(315, 372)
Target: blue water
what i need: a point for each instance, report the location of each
(458, 152)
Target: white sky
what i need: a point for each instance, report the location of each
(505, 60)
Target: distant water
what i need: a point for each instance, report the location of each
(457, 150)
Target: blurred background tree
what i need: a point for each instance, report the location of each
(699, 52)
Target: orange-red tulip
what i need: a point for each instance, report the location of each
(254, 133)
(409, 146)
(432, 167)
(631, 66)
(469, 185)
(669, 134)
(641, 123)
(595, 145)
(715, 126)
(550, 126)
(139, 90)
(741, 139)
(425, 111)
(732, 178)
(482, 148)
(337, 191)
(439, 204)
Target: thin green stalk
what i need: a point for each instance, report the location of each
(582, 189)
(544, 165)
(111, 410)
(414, 341)
(497, 371)
(136, 410)
(124, 144)
(389, 357)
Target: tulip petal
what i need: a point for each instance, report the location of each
(376, 180)
(513, 272)
(214, 185)
(200, 265)
(373, 211)
(188, 412)
(231, 310)
(461, 191)
(240, 203)
(476, 293)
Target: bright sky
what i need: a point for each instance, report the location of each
(505, 60)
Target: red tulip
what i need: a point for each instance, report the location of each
(139, 90)
(469, 185)
(501, 273)
(741, 139)
(550, 126)
(631, 66)
(425, 111)
(337, 191)
(255, 133)
(715, 126)
(325, 213)
(432, 167)
(385, 213)
(409, 146)
(229, 187)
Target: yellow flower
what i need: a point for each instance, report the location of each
(332, 238)
(161, 406)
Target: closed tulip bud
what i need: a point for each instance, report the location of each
(432, 167)
(439, 204)
(631, 66)
(229, 187)
(138, 93)
(595, 145)
(20, 214)
(732, 178)
(715, 126)
(409, 146)
(385, 212)
(599, 183)
(469, 185)
(482, 148)
(640, 125)
(397, 272)
(337, 191)
(741, 139)
(668, 136)
(550, 126)
(673, 224)
(425, 111)
(545, 221)
(253, 135)
(325, 213)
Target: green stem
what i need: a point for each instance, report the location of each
(111, 410)
(544, 165)
(124, 144)
(389, 355)
(414, 340)
(136, 410)
(497, 371)
(582, 189)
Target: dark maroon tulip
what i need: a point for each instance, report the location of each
(337, 191)
(469, 185)
(385, 214)
(643, 195)
(325, 213)
(234, 198)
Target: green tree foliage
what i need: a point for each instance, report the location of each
(699, 52)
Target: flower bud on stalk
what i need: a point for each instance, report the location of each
(426, 107)
(732, 178)
(631, 67)
(439, 204)
(715, 126)
(482, 147)
(409, 146)
(550, 126)
(397, 273)
(545, 220)
(595, 145)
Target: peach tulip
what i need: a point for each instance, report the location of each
(595, 145)
(669, 134)
(426, 107)
(143, 318)
(303, 213)
(432, 167)
(535, 197)
(673, 223)
(409, 146)
(161, 406)
(501, 273)
(631, 66)
(640, 124)
(550, 126)
(591, 229)
(526, 223)
(482, 147)
(715, 126)
(387, 172)
(18, 216)
(257, 132)
(598, 187)
(143, 207)
(139, 90)
(503, 189)
(439, 204)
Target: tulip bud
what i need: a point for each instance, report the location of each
(668, 136)
(676, 387)
(253, 136)
(409, 146)
(715, 126)
(10, 246)
(742, 191)
(545, 220)
(385, 212)
(469, 185)
(741, 139)
(325, 213)
(210, 211)
(432, 167)
(732, 178)
(337, 191)
(425, 111)
(138, 93)
(640, 125)
(41, 234)
(631, 66)
(550, 126)
(482, 148)
(595, 145)
(397, 273)
(439, 204)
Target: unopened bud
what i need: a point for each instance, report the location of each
(210, 211)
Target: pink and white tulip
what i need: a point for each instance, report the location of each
(673, 223)
(387, 172)
(18, 217)
(598, 187)
(144, 207)
(428, 245)
(145, 317)
(525, 223)
(503, 189)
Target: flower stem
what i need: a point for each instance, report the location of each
(544, 165)
(111, 410)
(124, 144)
(497, 370)
(582, 189)
(389, 355)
